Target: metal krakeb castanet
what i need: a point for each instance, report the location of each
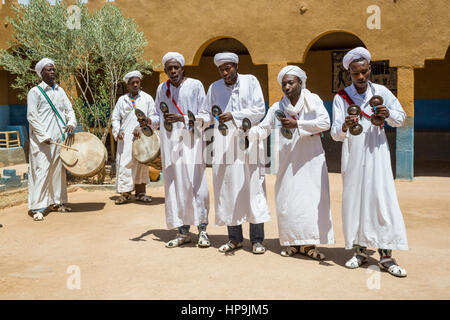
(355, 110)
(216, 112)
(376, 119)
(284, 131)
(165, 109)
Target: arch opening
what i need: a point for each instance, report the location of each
(431, 118)
(206, 70)
(326, 75)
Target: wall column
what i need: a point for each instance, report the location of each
(405, 134)
(275, 94)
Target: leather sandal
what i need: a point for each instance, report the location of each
(123, 198)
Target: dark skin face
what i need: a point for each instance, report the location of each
(228, 72)
(292, 87)
(360, 74)
(174, 71)
(134, 85)
(48, 74)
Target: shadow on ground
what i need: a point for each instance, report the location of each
(155, 201)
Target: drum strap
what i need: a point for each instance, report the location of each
(53, 108)
(173, 100)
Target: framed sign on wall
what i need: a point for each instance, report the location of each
(381, 73)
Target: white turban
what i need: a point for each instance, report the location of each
(225, 57)
(294, 70)
(41, 64)
(354, 54)
(173, 55)
(132, 74)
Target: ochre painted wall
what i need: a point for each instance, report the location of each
(319, 73)
(273, 31)
(150, 83)
(433, 81)
(411, 32)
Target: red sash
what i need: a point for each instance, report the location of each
(173, 100)
(344, 95)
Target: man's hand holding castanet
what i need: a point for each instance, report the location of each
(350, 121)
(224, 117)
(172, 117)
(144, 122)
(120, 135)
(289, 123)
(382, 110)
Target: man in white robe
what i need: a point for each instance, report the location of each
(239, 186)
(185, 184)
(302, 192)
(47, 188)
(370, 209)
(130, 174)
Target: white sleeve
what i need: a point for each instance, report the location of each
(151, 106)
(338, 119)
(115, 119)
(396, 113)
(263, 129)
(33, 117)
(71, 119)
(155, 116)
(257, 108)
(317, 125)
(152, 113)
(205, 110)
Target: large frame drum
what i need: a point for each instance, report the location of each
(90, 158)
(146, 150)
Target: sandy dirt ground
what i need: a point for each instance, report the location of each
(117, 252)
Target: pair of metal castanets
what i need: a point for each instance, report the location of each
(142, 118)
(223, 128)
(375, 119)
(168, 126)
(284, 131)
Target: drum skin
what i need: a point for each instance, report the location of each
(91, 155)
(146, 150)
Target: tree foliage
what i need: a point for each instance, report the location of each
(92, 51)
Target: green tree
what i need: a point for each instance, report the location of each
(92, 52)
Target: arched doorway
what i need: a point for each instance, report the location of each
(431, 118)
(323, 66)
(207, 73)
